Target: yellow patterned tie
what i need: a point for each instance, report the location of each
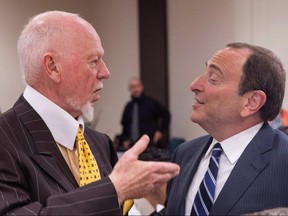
(127, 206)
(88, 167)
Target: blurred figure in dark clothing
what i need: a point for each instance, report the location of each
(143, 115)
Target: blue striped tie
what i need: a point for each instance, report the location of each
(204, 198)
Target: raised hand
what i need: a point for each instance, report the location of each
(133, 178)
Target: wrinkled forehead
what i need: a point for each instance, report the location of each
(229, 58)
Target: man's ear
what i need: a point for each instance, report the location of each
(253, 101)
(51, 67)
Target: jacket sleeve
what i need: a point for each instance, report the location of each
(17, 196)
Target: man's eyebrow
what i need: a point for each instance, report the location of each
(214, 66)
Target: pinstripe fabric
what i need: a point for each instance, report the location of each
(257, 182)
(34, 177)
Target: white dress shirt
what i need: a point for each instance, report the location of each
(232, 147)
(141, 207)
(61, 124)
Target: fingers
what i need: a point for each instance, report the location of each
(165, 167)
(163, 171)
(141, 177)
(139, 146)
(164, 177)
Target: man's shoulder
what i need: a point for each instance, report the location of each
(150, 99)
(187, 150)
(280, 144)
(268, 137)
(129, 104)
(9, 120)
(94, 133)
(195, 143)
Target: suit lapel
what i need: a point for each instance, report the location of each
(186, 174)
(247, 169)
(94, 146)
(44, 150)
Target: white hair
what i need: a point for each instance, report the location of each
(34, 41)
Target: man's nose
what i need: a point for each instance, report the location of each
(197, 85)
(103, 73)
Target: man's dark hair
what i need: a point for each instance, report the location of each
(264, 71)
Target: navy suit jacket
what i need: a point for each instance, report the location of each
(34, 177)
(258, 181)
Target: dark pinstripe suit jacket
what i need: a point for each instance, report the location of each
(258, 181)
(34, 177)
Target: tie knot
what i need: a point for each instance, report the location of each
(79, 135)
(217, 150)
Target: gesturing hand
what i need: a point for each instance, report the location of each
(133, 178)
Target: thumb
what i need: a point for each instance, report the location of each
(139, 146)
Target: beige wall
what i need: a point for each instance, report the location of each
(117, 24)
(13, 15)
(196, 28)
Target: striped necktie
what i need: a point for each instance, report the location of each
(204, 198)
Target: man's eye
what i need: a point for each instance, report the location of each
(94, 63)
(213, 78)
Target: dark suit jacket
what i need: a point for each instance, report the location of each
(34, 177)
(152, 117)
(257, 182)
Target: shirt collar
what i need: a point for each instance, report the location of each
(234, 146)
(60, 123)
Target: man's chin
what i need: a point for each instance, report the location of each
(194, 118)
(88, 111)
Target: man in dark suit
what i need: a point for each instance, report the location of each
(241, 89)
(61, 60)
(151, 118)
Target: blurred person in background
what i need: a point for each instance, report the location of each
(143, 115)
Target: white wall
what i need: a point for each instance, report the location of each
(117, 24)
(198, 28)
